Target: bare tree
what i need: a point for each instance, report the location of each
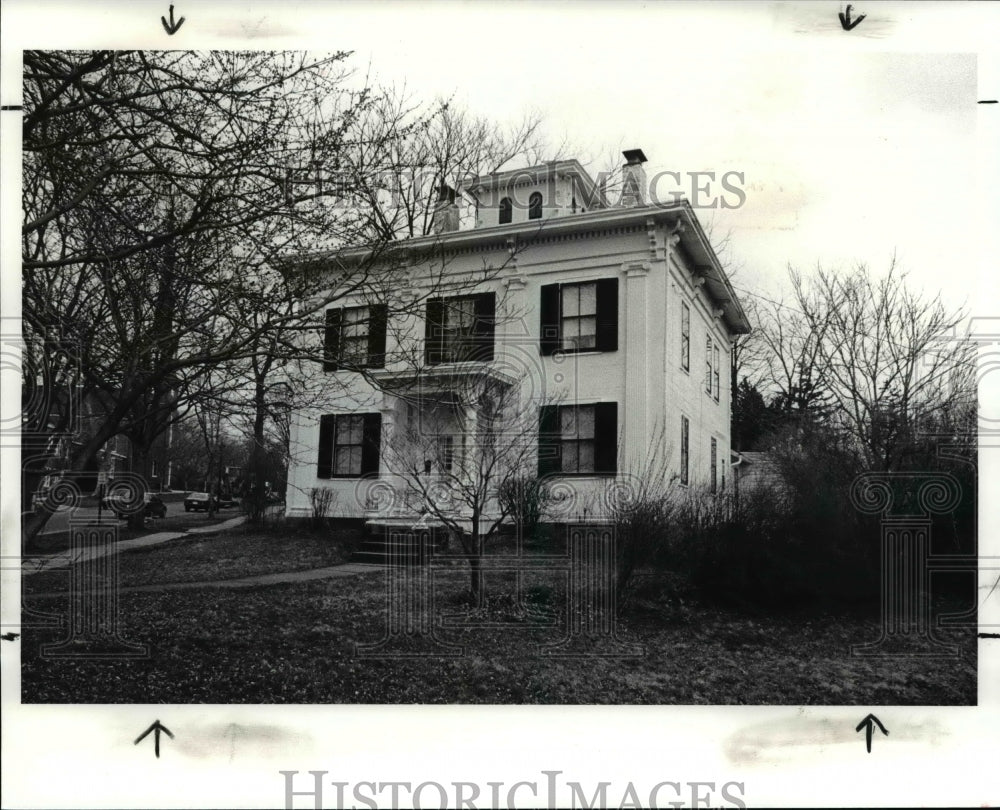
(888, 356)
(455, 450)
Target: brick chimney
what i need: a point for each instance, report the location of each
(445, 216)
(633, 179)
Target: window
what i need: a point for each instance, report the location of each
(535, 206)
(506, 211)
(581, 316)
(715, 372)
(578, 316)
(685, 430)
(460, 329)
(685, 337)
(446, 453)
(722, 474)
(578, 439)
(349, 445)
(714, 456)
(355, 337)
(708, 366)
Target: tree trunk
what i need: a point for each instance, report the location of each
(257, 494)
(140, 468)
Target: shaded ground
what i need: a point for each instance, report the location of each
(296, 643)
(177, 520)
(232, 554)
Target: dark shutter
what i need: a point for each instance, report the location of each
(433, 335)
(325, 465)
(549, 320)
(377, 317)
(370, 443)
(607, 315)
(606, 437)
(485, 326)
(549, 447)
(331, 341)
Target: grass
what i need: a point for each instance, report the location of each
(232, 554)
(296, 643)
(177, 520)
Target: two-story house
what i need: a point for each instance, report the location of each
(613, 322)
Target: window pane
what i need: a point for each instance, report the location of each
(585, 422)
(588, 333)
(357, 426)
(569, 460)
(570, 301)
(586, 456)
(568, 422)
(355, 461)
(588, 299)
(571, 331)
(342, 462)
(343, 429)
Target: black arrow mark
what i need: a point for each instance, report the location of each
(157, 727)
(171, 27)
(868, 724)
(845, 19)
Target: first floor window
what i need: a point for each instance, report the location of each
(349, 445)
(578, 439)
(685, 430)
(714, 456)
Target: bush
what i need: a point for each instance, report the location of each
(321, 500)
(524, 498)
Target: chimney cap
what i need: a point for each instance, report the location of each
(634, 156)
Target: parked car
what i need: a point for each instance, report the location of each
(196, 501)
(119, 503)
(225, 501)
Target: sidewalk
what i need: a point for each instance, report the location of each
(63, 559)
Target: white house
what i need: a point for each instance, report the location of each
(612, 322)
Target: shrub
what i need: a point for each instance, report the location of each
(321, 500)
(524, 498)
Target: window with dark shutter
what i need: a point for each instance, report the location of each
(331, 341)
(433, 331)
(355, 337)
(606, 438)
(685, 337)
(548, 440)
(607, 315)
(578, 439)
(708, 366)
(371, 443)
(550, 338)
(460, 329)
(685, 430)
(349, 445)
(714, 483)
(579, 317)
(535, 206)
(325, 463)
(506, 211)
(715, 372)
(377, 325)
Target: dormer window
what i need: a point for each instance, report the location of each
(506, 211)
(535, 206)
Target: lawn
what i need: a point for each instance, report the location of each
(296, 643)
(231, 554)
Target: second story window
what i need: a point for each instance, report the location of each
(506, 211)
(708, 366)
(715, 372)
(535, 206)
(460, 329)
(685, 337)
(579, 317)
(355, 338)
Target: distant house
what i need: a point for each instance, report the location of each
(624, 314)
(757, 469)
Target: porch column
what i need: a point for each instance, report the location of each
(634, 411)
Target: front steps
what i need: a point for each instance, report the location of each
(400, 543)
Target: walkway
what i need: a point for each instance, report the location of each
(329, 572)
(34, 565)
